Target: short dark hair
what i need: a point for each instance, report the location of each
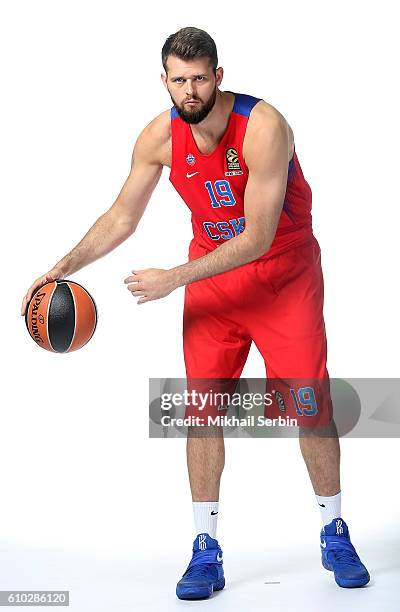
(189, 43)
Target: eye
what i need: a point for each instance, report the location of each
(200, 77)
(178, 80)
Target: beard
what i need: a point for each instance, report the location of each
(199, 112)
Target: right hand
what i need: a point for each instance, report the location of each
(50, 276)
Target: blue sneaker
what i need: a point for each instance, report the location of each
(339, 555)
(204, 573)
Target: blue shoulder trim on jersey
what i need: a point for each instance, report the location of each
(291, 169)
(174, 112)
(244, 104)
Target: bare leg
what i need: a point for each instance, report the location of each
(321, 452)
(205, 452)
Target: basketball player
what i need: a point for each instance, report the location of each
(254, 274)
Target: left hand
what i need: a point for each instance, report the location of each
(150, 284)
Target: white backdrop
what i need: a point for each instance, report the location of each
(88, 500)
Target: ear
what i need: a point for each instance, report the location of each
(219, 75)
(164, 79)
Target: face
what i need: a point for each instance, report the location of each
(192, 86)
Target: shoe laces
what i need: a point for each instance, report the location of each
(345, 555)
(201, 563)
(198, 571)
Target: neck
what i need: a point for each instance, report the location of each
(217, 119)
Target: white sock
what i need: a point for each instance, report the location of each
(330, 507)
(205, 517)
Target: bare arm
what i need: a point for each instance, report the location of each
(122, 218)
(266, 154)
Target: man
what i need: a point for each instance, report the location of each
(232, 159)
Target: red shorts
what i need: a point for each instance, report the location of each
(278, 304)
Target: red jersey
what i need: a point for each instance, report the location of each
(213, 185)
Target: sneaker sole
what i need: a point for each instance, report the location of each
(191, 593)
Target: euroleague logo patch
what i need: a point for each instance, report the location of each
(232, 162)
(191, 160)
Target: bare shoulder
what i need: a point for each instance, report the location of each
(154, 141)
(264, 120)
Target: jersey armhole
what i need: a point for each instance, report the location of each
(172, 116)
(245, 130)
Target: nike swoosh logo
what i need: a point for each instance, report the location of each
(190, 175)
(323, 544)
(322, 505)
(213, 513)
(219, 558)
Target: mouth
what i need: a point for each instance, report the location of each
(191, 102)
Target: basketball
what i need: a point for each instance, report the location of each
(61, 316)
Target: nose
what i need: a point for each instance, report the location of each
(189, 88)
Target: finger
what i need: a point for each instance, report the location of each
(36, 285)
(33, 288)
(135, 291)
(131, 279)
(28, 297)
(144, 299)
(30, 293)
(134, 287)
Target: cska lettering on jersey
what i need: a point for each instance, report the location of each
(213, 185)
(224, 229)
